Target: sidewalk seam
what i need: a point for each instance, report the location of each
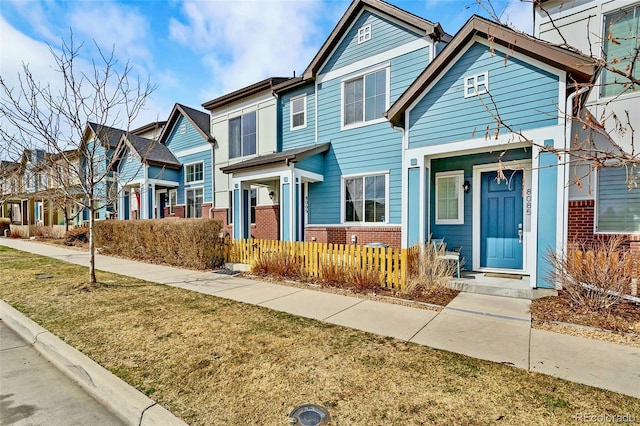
(144, 411)
(488, 314)
(423, 327)
(342, 310)
(279, 297)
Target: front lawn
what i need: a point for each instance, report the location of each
(215, 361)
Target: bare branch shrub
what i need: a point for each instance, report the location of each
(428, 270)
(595, 277)
(278, 264)
(365, 280)
(333, 275)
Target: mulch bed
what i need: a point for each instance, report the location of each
(623, 318)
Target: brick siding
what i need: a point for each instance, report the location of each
(267, 226)
(582, 224)
(391, 235)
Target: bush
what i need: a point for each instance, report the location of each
(76, 236)
(333, 275)
(427, 271)
(45, 232)
(594, 277)
(4, 224)
(364, 280)
(277, 264)
(192, 243)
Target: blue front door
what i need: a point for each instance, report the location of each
(501, 221)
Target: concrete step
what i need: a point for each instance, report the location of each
(517, 293)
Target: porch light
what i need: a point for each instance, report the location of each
(466, 186)
(271, 194)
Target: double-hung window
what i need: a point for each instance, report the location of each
(449, 198)
(621, 39)
(242, 135)
(254, 203)
(365, 198)
(299, 112)
(365, 98)
(194, 202)
(194, 172)
(618, 207)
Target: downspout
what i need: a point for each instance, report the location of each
(212, 141)
(567, 144)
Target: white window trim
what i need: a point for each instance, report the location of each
(387, 95)
(343, 194)
(474, 84)
(186, 205)
(172, 208)
(364, 34)
(460, 220)
(186, 174)
(304, 111)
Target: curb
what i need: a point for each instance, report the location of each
(132, 406)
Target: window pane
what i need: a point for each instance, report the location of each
(297, 105)
(447, 197)
(621, 40)
(618, 207)
(234, 137)
(249, 134)
(375, 199)
(353, 196)
(353, 102)
(375, 95)
(298, 120)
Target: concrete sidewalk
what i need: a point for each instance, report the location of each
(486, 327)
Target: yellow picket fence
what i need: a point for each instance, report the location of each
(393, 264)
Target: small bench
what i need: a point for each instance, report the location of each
(438, 245)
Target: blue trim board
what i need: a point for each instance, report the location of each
(547, 214)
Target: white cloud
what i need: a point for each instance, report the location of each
(518, 14)
(243, 42)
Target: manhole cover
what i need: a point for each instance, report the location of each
(309, 415)
(226, 272)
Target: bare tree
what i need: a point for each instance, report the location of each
(87, 109)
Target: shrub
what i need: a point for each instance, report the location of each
(14, 234)
(594, 277)
(277, 264)
(4, 224)
(76, 236)
(193, 243)
(333, 275)
(45, 232)
(364, 280)
(427, 271)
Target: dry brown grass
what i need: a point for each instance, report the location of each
(427, 272)
(277, 264)
(212, 361)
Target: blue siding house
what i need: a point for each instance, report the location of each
(475, 173)
(339, 163)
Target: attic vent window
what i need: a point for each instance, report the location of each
(183, 129)
(476, 84)
(364, 34)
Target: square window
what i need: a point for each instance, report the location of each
(449, 198)
(298, 112)
(476, 84)
(365, 199)
(365, 98)
(364, 34)
(618, 207)
(194, 172)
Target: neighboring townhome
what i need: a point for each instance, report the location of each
(244, 124)
(474, 172)
(10, 187)
(604, 200)
(64, 191)
(28, 203)
(146, 171)
(337, 171)
(188, 192)
(101, 148)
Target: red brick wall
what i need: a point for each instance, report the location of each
(178, 212)
(221, 215)
(267, 226)
(581, 226)
(205, 210)
(391, 235)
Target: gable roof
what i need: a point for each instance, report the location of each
(580, 68)
(289, 156)
(151, 152)
(107, 135)
(267, 83)
(433, 30)
(200, 121)
(148, 127)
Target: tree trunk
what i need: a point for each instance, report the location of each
(92, 248)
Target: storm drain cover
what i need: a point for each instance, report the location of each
(309, 415)
(226, 272)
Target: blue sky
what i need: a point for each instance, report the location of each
(195, 51)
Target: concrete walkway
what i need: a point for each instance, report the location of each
(486, 327)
